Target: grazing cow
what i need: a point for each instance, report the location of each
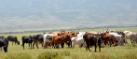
(37, 39)
(108, 39)
(132, 36)
(4, 44)
(27, 39)
(47, 38)
(92, 40)
(78, 39)
(13, 39)
(61, 38)
(118, 38)
(122, 34)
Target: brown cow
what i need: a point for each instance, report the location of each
(109, 39)
(61, 38)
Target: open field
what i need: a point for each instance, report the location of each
(120, 52)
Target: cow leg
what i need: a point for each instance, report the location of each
(45, 45)
(62, 45)
(95, 47)
(87, 47)
(30, 45)
(73, 44)
(105, 42)
(33, 45)
(70, 43)
(5, 48)
(124, 40)
(56, 45)
(23, 44)
(37, 45)
(81, 45)
(115, 42)
(110, 43)
(53, 45)
(42, 44)
(99, 44)
(15, 43)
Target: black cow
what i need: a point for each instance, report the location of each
(37, 39)
(4, 44)
(27, 39)
(32, 40)
(13, 39)
(92, 40)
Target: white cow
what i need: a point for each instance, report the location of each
(78, 39)
(47, 38)
(131, 35)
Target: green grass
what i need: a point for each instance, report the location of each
(120, 52)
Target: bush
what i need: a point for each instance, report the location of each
(18, 56)
(49, 55)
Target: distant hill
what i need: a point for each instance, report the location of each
(67, 29)
(26, 15)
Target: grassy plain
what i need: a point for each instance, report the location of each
(120, 52)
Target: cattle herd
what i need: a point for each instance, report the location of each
(71, 39)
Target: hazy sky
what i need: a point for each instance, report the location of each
(44, 14)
